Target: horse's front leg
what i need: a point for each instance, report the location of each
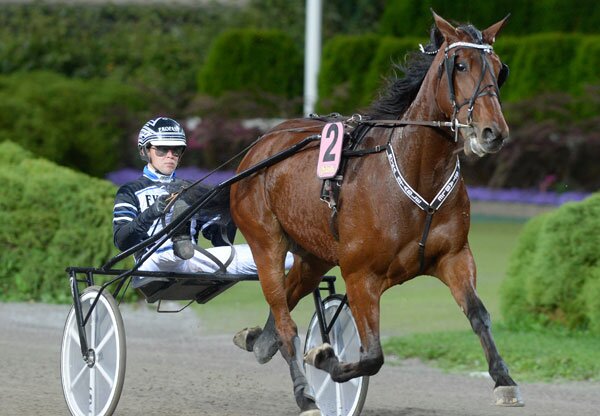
(458, 272)
(364, 304)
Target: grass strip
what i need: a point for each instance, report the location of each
(541, 355)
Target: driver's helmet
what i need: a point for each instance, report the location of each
(161, 131)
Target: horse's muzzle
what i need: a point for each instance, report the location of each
(486, 140)
(492, 141)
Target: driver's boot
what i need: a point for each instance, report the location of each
(182, 240)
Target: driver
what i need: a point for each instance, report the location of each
(140, 205)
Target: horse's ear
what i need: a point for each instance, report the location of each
(489, 34)
(447, 30)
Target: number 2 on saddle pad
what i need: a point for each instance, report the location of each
(330, 153)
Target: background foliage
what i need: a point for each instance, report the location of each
(74, 122)
(552, 138)
(538, 63)
(51, 217)
(220, 64)
(412, 18)
(256, 61)
(159, 47)
(554, 272)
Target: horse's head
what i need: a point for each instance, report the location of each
(470, 75)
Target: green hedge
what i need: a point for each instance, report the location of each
(252, 60)
(391, 51)
(554, 273)
(354, 67)
(84, 124)
(52, 217)
(159, 46)
(344, 64)
(413, 18)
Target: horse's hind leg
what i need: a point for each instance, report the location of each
(458, 272)
(269, 254)
(301, 280)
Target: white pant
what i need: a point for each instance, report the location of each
(243, 263)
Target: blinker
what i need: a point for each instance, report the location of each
(503, 75)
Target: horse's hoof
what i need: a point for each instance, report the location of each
(246, 337)
(509, 396)
(317, 355)
(311, 412)
(266, 346)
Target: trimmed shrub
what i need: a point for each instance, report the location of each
(585, 64)
(52, 217)
(73, 122)
(555, 269)
(520, 272)
(542, 63)
(411, 18)
(252, 60)
(159, 46)
(353, 67)
(391, 51)
(342, 77)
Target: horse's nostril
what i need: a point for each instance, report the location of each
(489, 135)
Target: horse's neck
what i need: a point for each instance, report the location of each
(426, 156)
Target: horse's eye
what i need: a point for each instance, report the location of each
(460, 67)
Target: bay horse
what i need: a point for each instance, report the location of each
(449, 95)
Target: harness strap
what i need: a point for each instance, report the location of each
(429, 207)
(358, 153)
(214, 259)
(423, 241)
(400, 123)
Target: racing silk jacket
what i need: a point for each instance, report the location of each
(132, 226)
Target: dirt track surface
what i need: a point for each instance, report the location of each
(173, 368)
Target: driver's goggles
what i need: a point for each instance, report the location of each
(162, 151)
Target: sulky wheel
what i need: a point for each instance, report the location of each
(94, 387)
(336, 399)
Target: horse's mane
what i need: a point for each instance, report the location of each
(399, 93)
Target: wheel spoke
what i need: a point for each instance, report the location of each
(74, 335)
(78, 376)
(105, 339)
(339, 398)
(324, 385)
(347, 343)
(92, 397)
(92, 340)
(105, 375)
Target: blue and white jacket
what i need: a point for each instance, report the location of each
(132, 226)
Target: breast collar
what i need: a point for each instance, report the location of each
(414, 196)
(429, 207)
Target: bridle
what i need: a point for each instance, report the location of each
(490, 89)
(448, 64)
